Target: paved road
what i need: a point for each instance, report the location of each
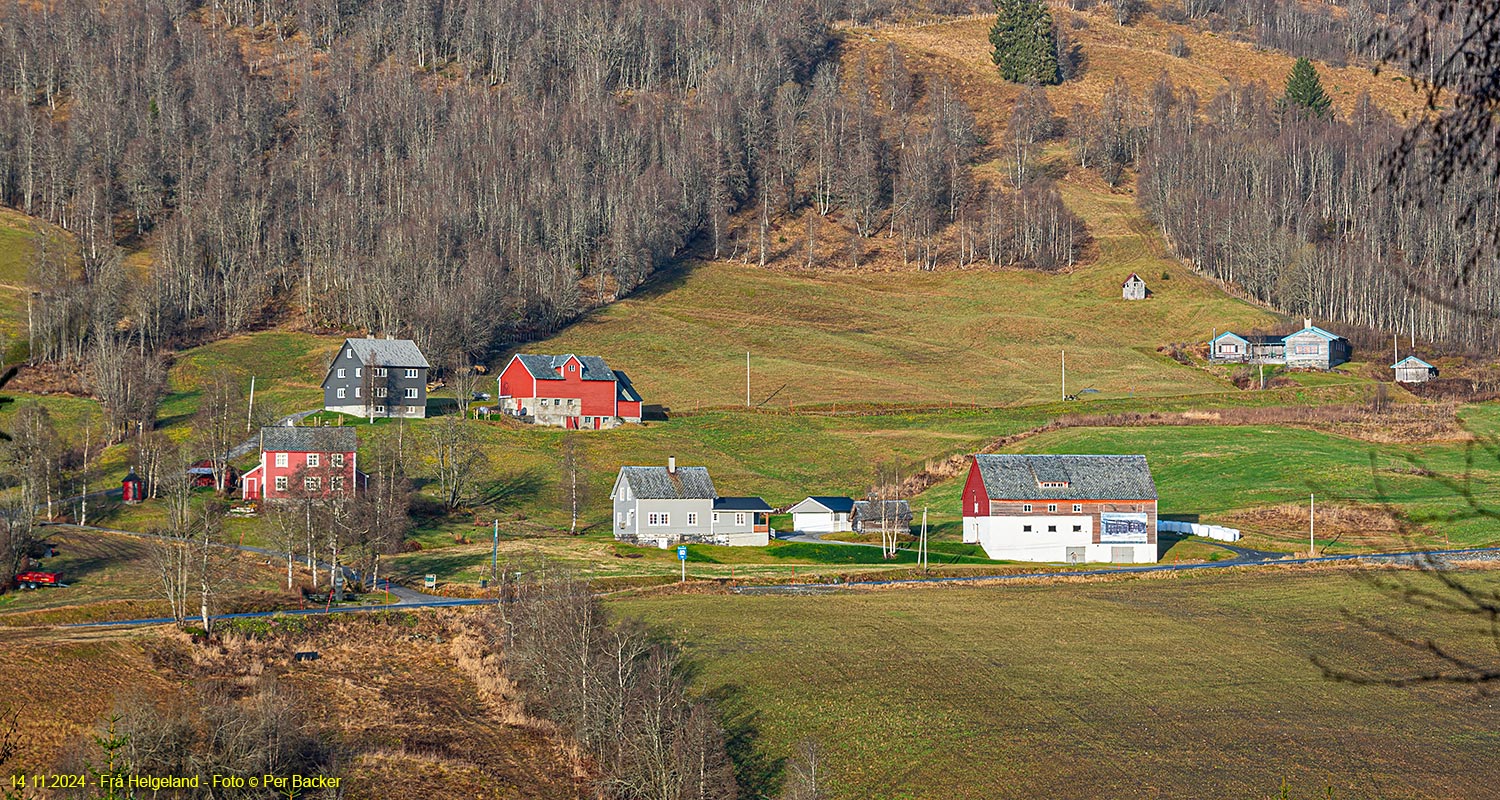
(1436, 559)
(409, 599)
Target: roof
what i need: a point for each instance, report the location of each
(625, 390)
(387, 352)
(838, 505)
(1089, 477)
(655, 483)
(870, 509)
(1265, 338)
(1412, 361)
(1229, 333)
(545, 367)
(1313, 329)
(1133, 277)
(741, 504)
(285, 438)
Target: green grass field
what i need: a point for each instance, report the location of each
(1198, 686)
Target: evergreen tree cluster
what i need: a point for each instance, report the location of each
(1025, 42)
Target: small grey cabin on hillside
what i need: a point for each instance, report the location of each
(1134, 288)
(377, 378)
(1414, 370)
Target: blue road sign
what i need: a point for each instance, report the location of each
(682, 552)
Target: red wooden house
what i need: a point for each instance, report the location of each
(569, 391)
(302, 462)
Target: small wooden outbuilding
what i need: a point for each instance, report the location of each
(132, 489)
(1134, 288)
(1414, 370)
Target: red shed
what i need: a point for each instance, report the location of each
(132, 488)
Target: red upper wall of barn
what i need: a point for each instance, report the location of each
(976, 502)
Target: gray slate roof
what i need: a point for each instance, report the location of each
(741, 504)
(838, 505)
(388, 352)
(895, 510)
(655, 483)
(1019, 477)
(285, 438)
(545, 367)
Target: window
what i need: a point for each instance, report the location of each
(336, 460)
(1078, 508)
(1052, 529)
(1306, 349)
(341, 393)
(347, 354)
(312, 483)
(336, 483)
(281, 459)
(976, 506)
(411, 393)
(716, 516)
(739, 519)
(380, 391)
(620, 520)
(280, 483)
(1051, 508)
(572, 367)
(692, 518)
(356, 391)
(379, 409)
(411, 410)
(341, 372)
(379, 372)
(1026, 529)
(411, 373)
(1026, 508)
(1054, 484)
(312, 459)
(359, 372)
(658, 518)
(1077, 528)
(590, 421)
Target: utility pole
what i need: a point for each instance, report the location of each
(1064, 374)
(747, 379)
(250, 412)
(1395, 348)
(924, 540)
(1312, 547)
(495, 560)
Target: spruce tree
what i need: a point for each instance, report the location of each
(1304, 91)
(1025, 43)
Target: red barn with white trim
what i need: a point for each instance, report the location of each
(568, 391)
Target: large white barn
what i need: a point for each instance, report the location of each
(1071, 509)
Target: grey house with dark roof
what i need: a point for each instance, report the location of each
(1062, 508)
(665, 506)
(377, 378)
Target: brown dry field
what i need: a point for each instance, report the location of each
(411, 697)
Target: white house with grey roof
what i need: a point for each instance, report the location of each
(377, 378)
(670, 505)
(1062, 508)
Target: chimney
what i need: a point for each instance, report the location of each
(671, 465)
(1307, 322)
